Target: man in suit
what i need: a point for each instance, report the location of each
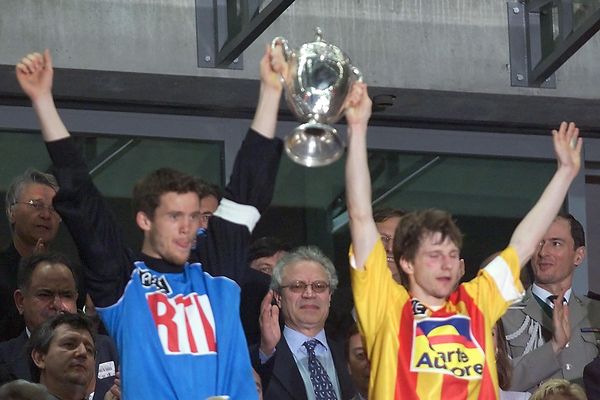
(302, 363)
(34, 224)
(545, 341)
(46, 288)
(63, 354)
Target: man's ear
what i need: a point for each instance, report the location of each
(406, 266)
(38, 358)
(11, 214)
(143, 221)
(277, 298)
(579, 255)
(19, 299)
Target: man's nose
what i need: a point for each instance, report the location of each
(81, 350)
(308, 292)
(45, 213)
(543, 248)
(59, 304)
(186, 225)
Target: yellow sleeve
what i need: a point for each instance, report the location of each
(374, 290)
(498, 285)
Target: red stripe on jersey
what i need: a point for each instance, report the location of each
(443, 339)
(208, 331)
(454, 389)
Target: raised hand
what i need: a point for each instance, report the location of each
(115, 390)
(40, 246)
(273, 66)
(270, 331)
(358, 105)
(560, 323)
(34, 74)
(567, 146)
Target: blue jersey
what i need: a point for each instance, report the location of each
(177, 328)
(193, 346)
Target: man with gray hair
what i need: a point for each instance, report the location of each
(303, 357)
(33, 224)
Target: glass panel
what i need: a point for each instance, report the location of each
(487, 196)
(115, 178)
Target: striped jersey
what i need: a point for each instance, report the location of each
(420, 353)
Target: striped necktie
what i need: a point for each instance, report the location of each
(318, 376)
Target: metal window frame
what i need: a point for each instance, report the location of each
(225, 28)
(534, 52)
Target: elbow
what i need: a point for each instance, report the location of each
(357, 216)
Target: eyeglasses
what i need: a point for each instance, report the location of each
(300, 286)
(38, 206)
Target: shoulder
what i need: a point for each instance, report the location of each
(517, 312)
(104, 342)
(13, 345)
(221, 282)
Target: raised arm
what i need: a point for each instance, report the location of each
(252, 182)
(358, 181)
(35, 74)
(81, 206)
(529, 232)
(272, 67)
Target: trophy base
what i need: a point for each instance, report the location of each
(314, 145)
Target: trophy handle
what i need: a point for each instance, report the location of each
(358, 76)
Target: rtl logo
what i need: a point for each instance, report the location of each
(185, 324)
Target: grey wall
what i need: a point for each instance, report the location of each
(456, 45)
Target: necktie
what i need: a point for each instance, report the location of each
(552, 298)
(545, 307)
(549, 309)
(318, 376)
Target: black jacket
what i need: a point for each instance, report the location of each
(281, 378)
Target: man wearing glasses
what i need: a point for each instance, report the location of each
(34, 224)
(302, 284)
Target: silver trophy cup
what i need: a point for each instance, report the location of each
(319, 80)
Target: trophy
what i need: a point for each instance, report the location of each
(319, 80)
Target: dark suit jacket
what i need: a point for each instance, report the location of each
(254, 288)
(591, 379)
(281, 378)
(14, 361)
(11, 322)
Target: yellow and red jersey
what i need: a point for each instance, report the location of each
(420, 353)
